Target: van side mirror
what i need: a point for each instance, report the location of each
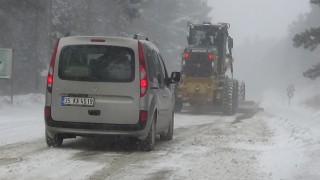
(175, 77)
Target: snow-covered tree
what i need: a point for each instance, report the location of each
(31, 28)
(310, 39)
(20, 29)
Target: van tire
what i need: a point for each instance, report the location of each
(148, 143)
(169, 134)
(54, 142)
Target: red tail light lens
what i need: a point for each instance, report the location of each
(47, 112)
(98, 40)
(143, 71)
(50, 79)
(143, 83)
(210, 56)
(186, 55)
(51, 68)
(143, 117)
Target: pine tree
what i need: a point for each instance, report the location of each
(31, 28)
(165, 23)
(310, 39)
(21, 26)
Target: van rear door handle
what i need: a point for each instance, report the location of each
(94, 112)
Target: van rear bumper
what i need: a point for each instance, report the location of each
(82, 129)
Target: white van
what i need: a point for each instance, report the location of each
(108, 86)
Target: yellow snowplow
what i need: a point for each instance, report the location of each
(205, 63)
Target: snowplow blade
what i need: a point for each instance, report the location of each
(248, 106)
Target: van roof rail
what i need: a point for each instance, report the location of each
(136, 36)
(71, 33)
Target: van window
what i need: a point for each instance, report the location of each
(96, 63)
(151, 65)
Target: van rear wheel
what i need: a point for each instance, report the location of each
(149, 142)
(56, 141)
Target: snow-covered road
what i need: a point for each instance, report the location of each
(211, 146)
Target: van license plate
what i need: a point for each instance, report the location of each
(77, 101)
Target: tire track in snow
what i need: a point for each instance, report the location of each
(202, 151)
(15, 153)
(202, 148)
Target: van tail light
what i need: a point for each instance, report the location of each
(143, 116)
(47, 113)
(143, 71)
(51, 68)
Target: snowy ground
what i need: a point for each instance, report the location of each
(295, 150)
(282, 142)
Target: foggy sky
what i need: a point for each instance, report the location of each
(258, 18)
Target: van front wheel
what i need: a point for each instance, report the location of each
(168, 135)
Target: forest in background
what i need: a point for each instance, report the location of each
(275, 63)
(31, 27)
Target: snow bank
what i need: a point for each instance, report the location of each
(295, 153)
(16, 120)
(21, 101)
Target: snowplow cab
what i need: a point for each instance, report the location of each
(206, 52)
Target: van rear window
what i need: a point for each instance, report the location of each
(96, 63)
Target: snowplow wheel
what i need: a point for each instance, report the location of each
(228, 97)
(56, 141)
(235, 96)
(242, 91)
